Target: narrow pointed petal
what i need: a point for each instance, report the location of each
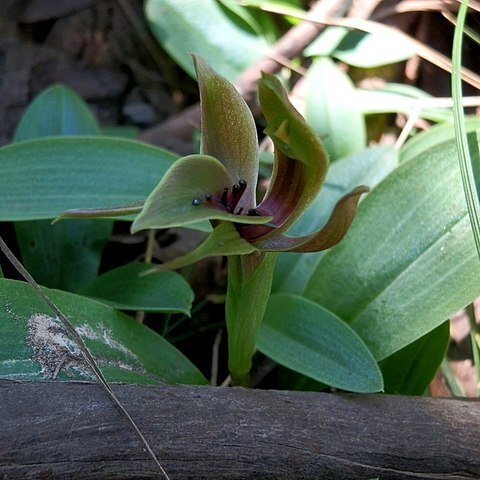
(301, 162)
(120, 211)
(334, 230)
(224, 240)
(228, 129)
(179, 199)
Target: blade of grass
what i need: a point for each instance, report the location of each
(467, 167)
(468, 154)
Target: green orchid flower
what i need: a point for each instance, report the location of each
(219, 185)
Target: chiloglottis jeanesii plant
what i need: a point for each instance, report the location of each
(219, 185)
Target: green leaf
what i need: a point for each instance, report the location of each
(424, 141)
(43, 178)
(202, 27)
(181, 196)
(408, 261)
(368, 167)
(361, 49)
(126, 288)
(331, 111)
(35, 347)
(411, 370)
(58, 110)
(67, 255)
(309, 339)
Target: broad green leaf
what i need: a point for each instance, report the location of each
(123, 131)
(331, 111)
(191, 191)
(409, 260)
(368, 167)
(411, 370)
(126, 288)
(361, 49)
(67, 255)
(202, 27)
(35, 347)
(43, 178)
(309, 339)
(241, 15)
(424, 141)
(56, 111)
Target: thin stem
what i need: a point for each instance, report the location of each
(451, 379)
(474, 335)
(464, 154)
(215, 357)
(140, 316)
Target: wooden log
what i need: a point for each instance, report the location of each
(73, 431)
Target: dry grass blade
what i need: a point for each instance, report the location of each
(369, 26)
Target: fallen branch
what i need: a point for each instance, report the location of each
(72, 430)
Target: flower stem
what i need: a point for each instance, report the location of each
(249, 283)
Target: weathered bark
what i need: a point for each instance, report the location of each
(72, 430)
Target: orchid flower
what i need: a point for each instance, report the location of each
(219, 185)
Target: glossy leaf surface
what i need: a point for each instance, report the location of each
(36, 348)
(409, 260)
(361, 49)
(43, 178)
(411, 370)
(331, 111)
(126, 288)
(368, 167)
(203, 28)
(66, 255)
(305, 337)
(58, 110)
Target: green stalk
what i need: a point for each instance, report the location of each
(469, 157)
(468, 154)
(249, 283)
(474, 334)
